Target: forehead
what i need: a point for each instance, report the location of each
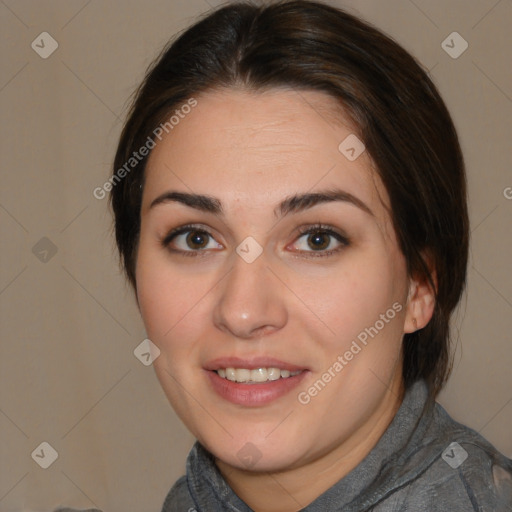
(263, 146)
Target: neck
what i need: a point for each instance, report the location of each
(291, 490)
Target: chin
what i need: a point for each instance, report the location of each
(256, 452)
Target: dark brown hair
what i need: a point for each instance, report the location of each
(399, 113)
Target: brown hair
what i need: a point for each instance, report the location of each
(400, 115)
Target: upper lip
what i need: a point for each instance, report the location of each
(252, 363)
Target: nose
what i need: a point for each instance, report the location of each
(251, 302)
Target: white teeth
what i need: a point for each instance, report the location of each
(273, 373)
(242, 375)
(259, 375)
(256, 375)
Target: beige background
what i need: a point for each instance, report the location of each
(69, 376)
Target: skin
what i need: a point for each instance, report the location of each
(251, 150)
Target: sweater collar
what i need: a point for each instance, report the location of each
(390, 464)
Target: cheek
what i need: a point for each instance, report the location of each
(169, 301)
(363, 305)
(353, 298)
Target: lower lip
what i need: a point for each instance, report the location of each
(253, 395)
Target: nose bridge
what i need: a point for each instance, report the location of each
(251, 301)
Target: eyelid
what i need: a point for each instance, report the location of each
(171, 235)
(301, 230)
(329, 230)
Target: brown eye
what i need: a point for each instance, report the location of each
(190, 241)
(319, 241)
(197, 239)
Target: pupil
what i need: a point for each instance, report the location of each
(196, 239)
(319, 241)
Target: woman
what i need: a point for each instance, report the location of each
(290, 208)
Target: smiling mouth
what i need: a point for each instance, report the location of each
(255, 376)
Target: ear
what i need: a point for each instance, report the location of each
(420, 301)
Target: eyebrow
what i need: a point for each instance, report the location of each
(292, 204)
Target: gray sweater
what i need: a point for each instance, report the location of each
(424, 462)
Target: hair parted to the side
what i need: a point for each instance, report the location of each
(400, 116)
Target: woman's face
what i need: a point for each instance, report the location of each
(263, 273)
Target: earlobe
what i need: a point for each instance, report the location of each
(420, 304)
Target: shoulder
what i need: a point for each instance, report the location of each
(465, 471)
(179, 499)
(464, 477)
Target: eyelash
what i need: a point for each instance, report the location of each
(326, 230)
(306, 230)
(180, 231)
